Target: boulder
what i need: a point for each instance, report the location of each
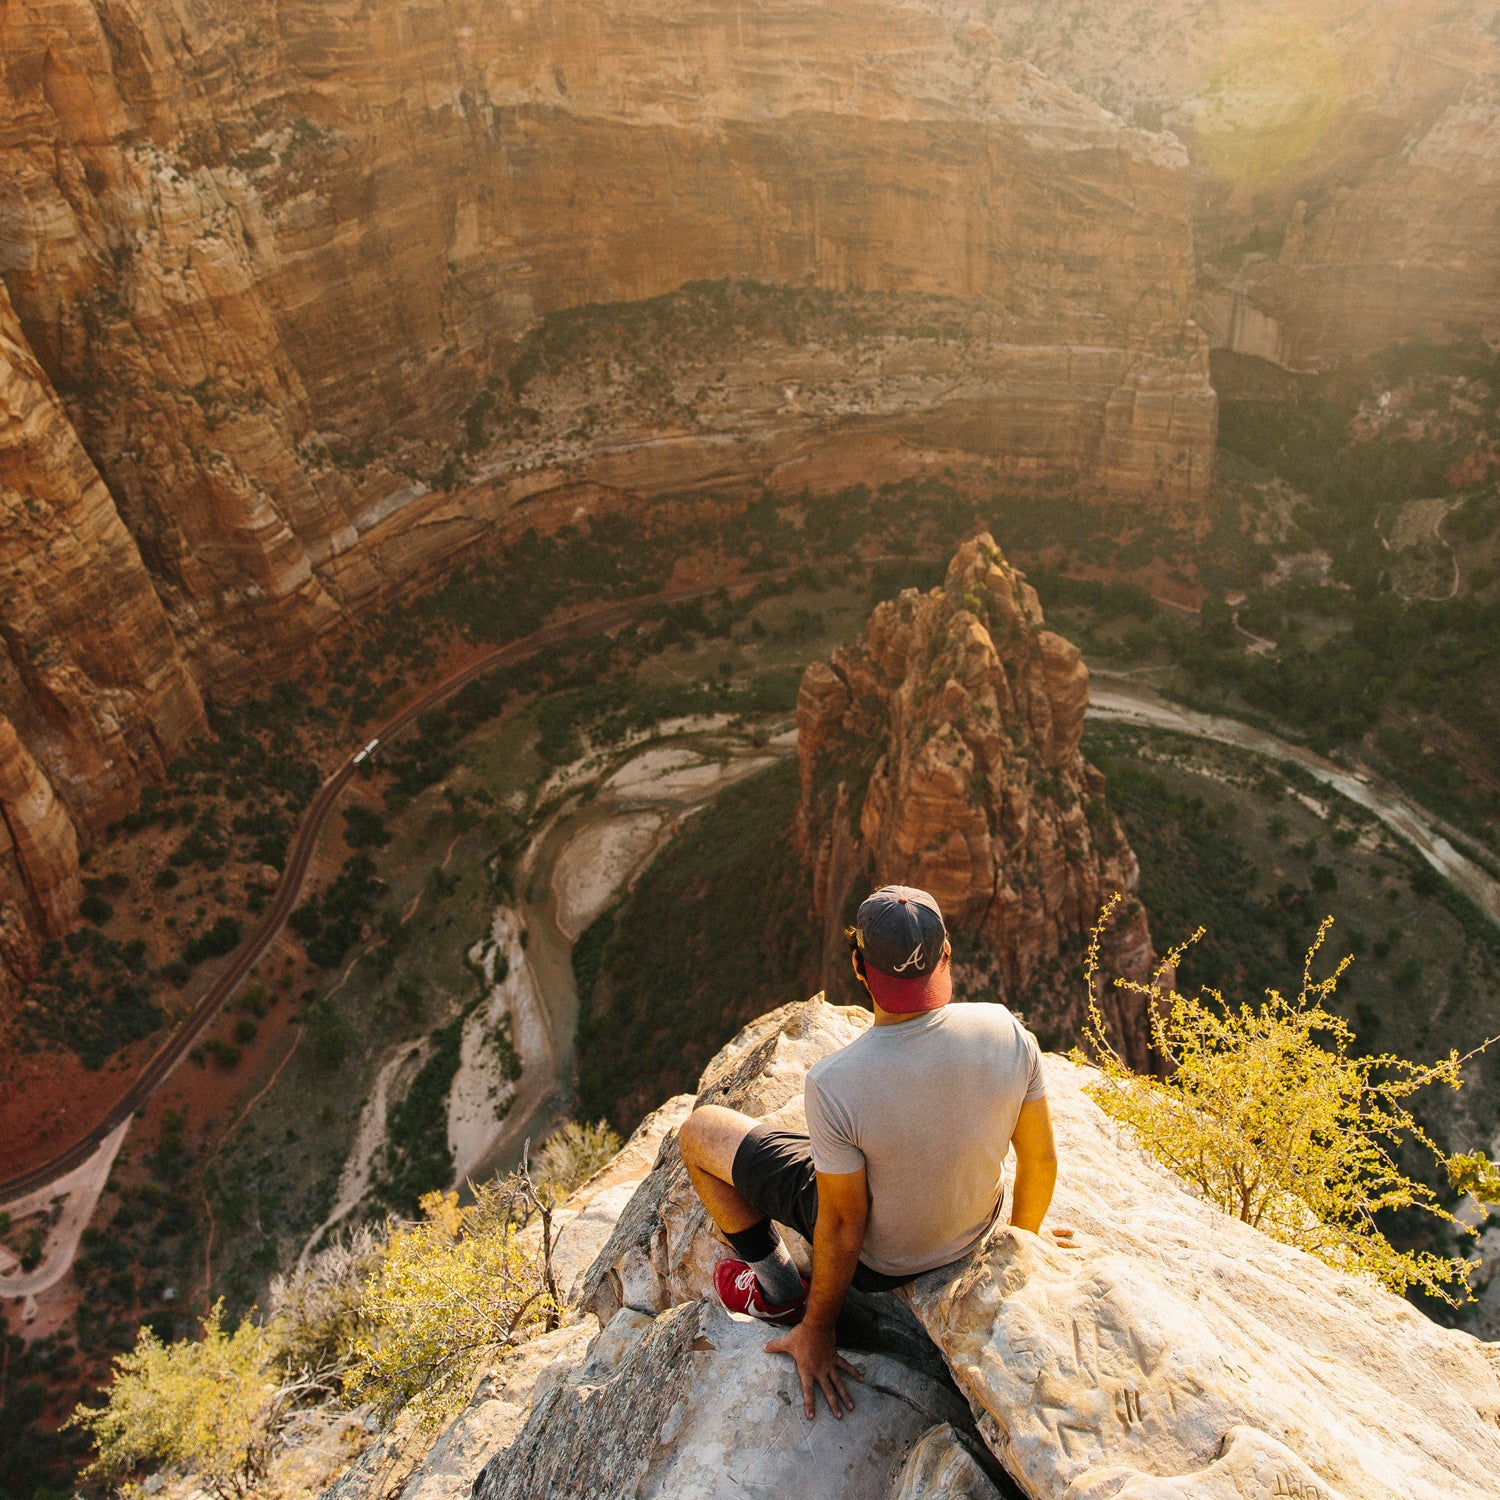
(418, 1463)
(1175, 1353)
(941, 1466)
(1178, 1352)
(661, 1251)
(689, 1406)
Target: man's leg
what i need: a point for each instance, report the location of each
(709, 1140)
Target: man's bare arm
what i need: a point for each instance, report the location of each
(1036, 1166)
(838, 1237)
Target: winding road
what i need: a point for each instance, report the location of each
(1111, 698)
(299, 858)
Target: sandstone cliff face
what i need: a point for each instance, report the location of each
(270, 253)
(1346, 157)
(95, 697)
(942, 751)
(271, 266)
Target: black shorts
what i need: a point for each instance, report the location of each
(774, 1170)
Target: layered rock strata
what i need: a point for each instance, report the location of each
(1346, 157)
(1175, 1352)
(256, 244)
(289, 268)
(95, 696)
(942, 751)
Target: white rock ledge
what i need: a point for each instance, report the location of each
(1175, 1353)
(1179, 1352)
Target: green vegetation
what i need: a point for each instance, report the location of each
(417, 1158)
(1270, 1114)
(210, 1406)
(573, 1155)
(400, 1317)
(330, 924)
(712, 935)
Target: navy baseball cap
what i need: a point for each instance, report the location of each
(901, 934)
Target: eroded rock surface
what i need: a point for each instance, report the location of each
(1180, 1352)
(661, 1252)
(688, 1406)
(942, 751)
(941, 1466)
(416, 1463)
(1174, 1353)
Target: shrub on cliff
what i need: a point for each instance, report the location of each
(573, 1155)
(1269, 1116)
(445, 1292)
(213, 1406)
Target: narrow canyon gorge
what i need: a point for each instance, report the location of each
(281, 291)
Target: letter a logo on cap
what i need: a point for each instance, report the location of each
(914, 957)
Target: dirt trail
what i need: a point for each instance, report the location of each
(79, 1190)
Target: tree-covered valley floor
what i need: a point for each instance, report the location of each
(1341, 605)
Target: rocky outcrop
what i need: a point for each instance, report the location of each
(661, 1251)
(414, 1462)
(1179, 1346)
(689, 1406)
(278, 259)
(40, 883)
(1174, 1352)
(948, 737)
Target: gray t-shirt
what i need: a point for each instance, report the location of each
(926, 1107)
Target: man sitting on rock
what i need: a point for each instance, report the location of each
(900, 1171)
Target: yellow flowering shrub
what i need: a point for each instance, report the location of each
(211, 1405)
(444, 1293)
(1268, 1114)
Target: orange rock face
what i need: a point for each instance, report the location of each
(276, 271)
(271, 254)
(1346, 157)
(944, 747)
(95, 697)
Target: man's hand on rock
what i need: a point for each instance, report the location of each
(819, 1366)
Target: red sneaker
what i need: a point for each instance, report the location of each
(740, 1292)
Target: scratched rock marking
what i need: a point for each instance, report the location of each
(1181, 1353)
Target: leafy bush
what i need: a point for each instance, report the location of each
(318, 1310)
(364, 829)
(211, 1406)
(1268, 1116)
(572, 1155)
(223, 937)
(95, 909)
(445, 1292)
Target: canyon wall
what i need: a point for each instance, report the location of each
(280, 275)
(95, 696)
(1346, 156)
(942, 751)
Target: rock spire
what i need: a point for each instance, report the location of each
(942, 751)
